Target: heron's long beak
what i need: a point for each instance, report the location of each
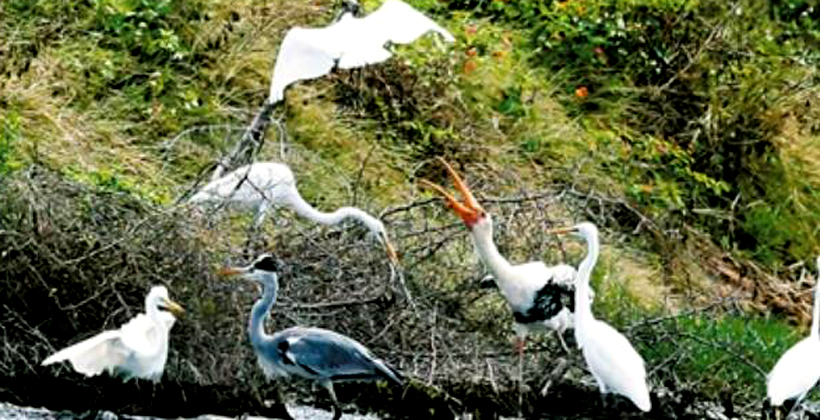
(469, 211)
(561, 231)
(231, 271)
(173, 307)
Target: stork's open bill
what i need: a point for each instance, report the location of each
(317, 354)
(535, 292)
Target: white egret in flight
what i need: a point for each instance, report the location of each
(309, 53)
(312, 353)
(798, 370)
(138, 349)
(263, 184)
(614, 363)
(533, 290)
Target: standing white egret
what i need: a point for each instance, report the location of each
(312, 353)
(533, 290)
(308, 53)
(138, 349)
(798, 370)
(263, 184)
(614, 363)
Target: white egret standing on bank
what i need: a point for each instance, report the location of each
(614, 363)
(798, 370)
(138, 349)
(317, 354)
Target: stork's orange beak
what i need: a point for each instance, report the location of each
(561, 231)
(469, 211)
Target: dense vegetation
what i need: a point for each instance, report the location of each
(689, 129)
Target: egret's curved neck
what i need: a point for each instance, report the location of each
(815, 313)
(487, 251)
(261, 311)
(583, 308)
(304, 209)
(153, 312)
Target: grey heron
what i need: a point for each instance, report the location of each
(614, 363)
(316, 354)
(263, 184)
(138, 349)
(798, 369)
(309, 53)
(533, 290)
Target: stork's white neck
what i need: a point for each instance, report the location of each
(482, 233)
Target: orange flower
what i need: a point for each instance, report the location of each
(499, 54)
(582, 92)
(469, 66)
(471, 52)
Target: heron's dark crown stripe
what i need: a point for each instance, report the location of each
(267, 264)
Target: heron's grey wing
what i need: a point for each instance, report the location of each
(94, 355)
(306, 53)
(331, 355)
(397, 22)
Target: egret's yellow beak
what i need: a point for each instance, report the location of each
(469, 211)
(173, 307)
(561, 231)
(391, 252)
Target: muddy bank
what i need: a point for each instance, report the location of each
(12, 412)
(564, 401)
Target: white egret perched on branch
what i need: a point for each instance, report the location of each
(798, 370)
(351, 41)
(533, 290)
(614, 363)
(311, 353)
(263, 184)
(138, 349)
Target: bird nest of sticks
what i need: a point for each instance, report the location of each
(76, 259)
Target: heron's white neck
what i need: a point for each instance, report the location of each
(482, 233)
(815, 313)
(583, 307)
(304, 209)
(261, 311)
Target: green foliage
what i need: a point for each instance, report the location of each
(146, 28)
(720, 352)
(9, 135)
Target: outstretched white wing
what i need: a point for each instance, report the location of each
(141, 336)
(117, 348)
(394, 22)
(91, 357)
(306, 53)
